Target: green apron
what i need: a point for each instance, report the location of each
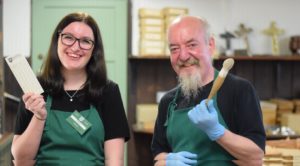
(61, 144)
(183, 135)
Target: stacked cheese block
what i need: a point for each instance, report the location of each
(145, 116)
(153, 26)
(297, 106)
(269, 111)
(152, 32)
(282, 152)
(283, 112)
(284, 106)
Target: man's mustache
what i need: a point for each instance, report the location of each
(190, 62)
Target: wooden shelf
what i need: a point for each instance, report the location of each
(136, 129)
(263, 58)
(150, 57)
(240, 58)
(277, 137)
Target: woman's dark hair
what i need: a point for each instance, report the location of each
(51, 76)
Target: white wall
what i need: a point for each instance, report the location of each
(228, 14)
(258, 14)
(16, 27)
(221, 14)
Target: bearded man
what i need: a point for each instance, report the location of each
(228, 130)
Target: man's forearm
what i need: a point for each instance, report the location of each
(242, 148)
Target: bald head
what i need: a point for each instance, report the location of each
(191, 21)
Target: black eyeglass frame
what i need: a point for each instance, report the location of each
(76, 39)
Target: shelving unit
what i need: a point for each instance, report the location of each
(272, 76)
(146, 76)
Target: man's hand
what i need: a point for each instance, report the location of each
(181, 159)
(206, 118)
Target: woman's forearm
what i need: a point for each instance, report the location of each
(26, 145)
(114, 152)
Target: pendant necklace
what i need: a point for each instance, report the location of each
(71, 96)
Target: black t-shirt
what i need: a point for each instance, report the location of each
(238, 104)
(111, 111)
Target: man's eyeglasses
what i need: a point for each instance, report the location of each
(69, 40)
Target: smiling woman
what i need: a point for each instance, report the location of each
(80, 118)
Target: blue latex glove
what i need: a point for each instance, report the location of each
(206, 118)
(181, 159)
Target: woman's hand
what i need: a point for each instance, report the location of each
(36, 104)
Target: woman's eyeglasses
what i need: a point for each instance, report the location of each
(69, 40)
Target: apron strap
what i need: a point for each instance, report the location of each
(48, 102)
(171, 107)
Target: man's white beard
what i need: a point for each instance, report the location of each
(190, 84)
